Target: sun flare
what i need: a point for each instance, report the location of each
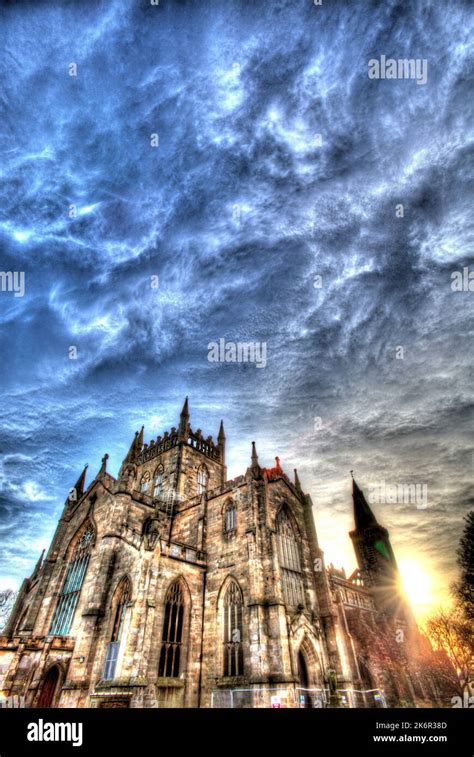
(417, 584)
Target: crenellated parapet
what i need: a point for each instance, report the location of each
(194, 439)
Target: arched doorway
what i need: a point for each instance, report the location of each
(49, 687)
(304, 695)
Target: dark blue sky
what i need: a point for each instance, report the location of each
(238, 94)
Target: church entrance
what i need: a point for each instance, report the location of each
(49, 687)
(304, 695)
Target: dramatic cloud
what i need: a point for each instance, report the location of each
(268, 212)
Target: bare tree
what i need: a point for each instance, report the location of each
(453, 634)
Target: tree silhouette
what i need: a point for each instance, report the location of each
(464, 588)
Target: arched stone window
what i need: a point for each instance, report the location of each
(202, 479)
(229, 525)
(172, 636)
(158, 481)
(289, 559)
(119, 606)
(145, 482)
(232, 626)
(81, 547)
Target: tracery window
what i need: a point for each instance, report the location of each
(289, 559)
(71, 588)
(172, 636)
(158, 481)
(202, 479)
(145, 482)
(119, 608)
(233, 651)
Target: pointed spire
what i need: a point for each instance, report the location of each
(221, 441)
(363, 515)
(184, 420)
(132, 453)
(103, 467)
(78, 490)
(81, 482)
(255, 469)
(254, 456)
(297, 482)
(140, 439)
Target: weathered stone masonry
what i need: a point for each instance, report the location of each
(171, 586)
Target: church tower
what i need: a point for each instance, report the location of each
(375, 557)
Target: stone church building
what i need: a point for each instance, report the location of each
(170, 586)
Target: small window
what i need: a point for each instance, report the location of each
(230, 519)
(145, 482)
(202, 479)
(158, 481)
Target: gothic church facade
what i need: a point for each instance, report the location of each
(171, 586)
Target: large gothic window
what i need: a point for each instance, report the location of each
(230, 519)
(172, 637)
(71, 588)
(233, 652)
(202, 479)
(158, 481)
(119, 608)
(289, 559)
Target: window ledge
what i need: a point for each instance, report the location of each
(227, 681)
(169, 683)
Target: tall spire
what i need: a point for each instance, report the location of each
(255, 469)
(221, 441)
(363, 515)
(140, 439)
(297, 482)
(184, 420)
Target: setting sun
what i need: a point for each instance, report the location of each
(417, 584)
